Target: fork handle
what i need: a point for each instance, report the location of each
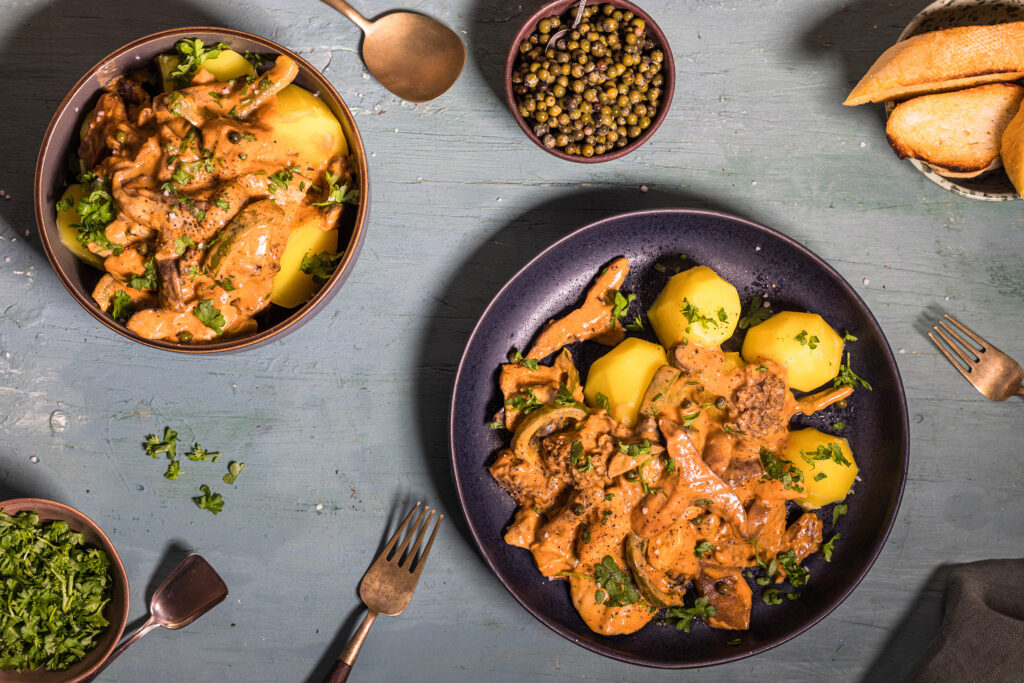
(342, 668)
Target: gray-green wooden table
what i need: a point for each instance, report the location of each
(344, 423)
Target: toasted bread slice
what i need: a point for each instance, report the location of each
(940, 61)
(957, 133)
(1013, 152)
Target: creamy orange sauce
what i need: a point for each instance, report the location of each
(699, 479)
(206, 194)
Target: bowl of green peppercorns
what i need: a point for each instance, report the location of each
(601, 90)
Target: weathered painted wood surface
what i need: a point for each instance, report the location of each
(344, 423)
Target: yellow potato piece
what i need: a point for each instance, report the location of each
(622, 376)
(227, 65)
(302, 122)
(292, 287)
(69, 235)
(697, 306)
(803, 343)
(825, 479)
(733, 361)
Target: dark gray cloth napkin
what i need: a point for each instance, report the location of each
(982, 633)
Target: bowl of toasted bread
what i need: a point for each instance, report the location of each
(952, 87)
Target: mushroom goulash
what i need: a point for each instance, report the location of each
(209, 197)
(671, 479)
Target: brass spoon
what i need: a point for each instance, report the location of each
(413, 56)
(191, 590)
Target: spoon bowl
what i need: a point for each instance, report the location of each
(415, 57)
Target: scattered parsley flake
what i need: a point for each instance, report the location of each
(209, 316)
(683, 616)
(213, 502)
(757, 313)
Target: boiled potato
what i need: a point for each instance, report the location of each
(733, 361)
(622, 376)
(304, 123)
(803, 343)
(225, 66)
(696, 306)
(292, 287)
(831, 470)
(68, 234)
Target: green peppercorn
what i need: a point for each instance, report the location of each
(577, 509)
(185, 337)
(721, 402)
(121, 137)
(632, 475)
(234, 137)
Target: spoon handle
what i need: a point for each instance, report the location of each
(346, 9)
(579, 14)
(150, 624)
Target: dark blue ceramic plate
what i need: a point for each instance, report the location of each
(758, 261)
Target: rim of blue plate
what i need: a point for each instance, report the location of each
(820, 612)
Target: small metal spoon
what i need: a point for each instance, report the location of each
(191, 590)
(412, 55)
(558, 35)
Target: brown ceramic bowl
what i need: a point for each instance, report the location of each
(62, 136)
(561, 8)
(116, 610)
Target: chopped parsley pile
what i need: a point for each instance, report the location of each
(53, 588)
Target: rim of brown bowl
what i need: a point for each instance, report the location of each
(101, 73)
(116, 610)
(668, 68)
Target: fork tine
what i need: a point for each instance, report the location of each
(949, 335)
(414, 548)
(398, 532)
(412, 530)
(426, 551)
(949, 357)
(981, 342)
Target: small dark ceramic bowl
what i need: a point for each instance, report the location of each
(668, 71)
(62, 135)
(116, 610)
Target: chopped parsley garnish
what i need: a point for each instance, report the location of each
(849, 337)
(209, 316)
(795, 574)
(564, 397)
(182, 243)
(617, 584)
(810, 342)
(516, 357)
(234, 469)
(703, 548)
(155, 446)
(722, 315)
(732, 430)
(121, 307)
(198, 453)
(321, 266)
(832, 451)
(280, 180)
(757, 313)
(783, 470)
(96, 211)
(689, 420)
(637, 325)
(602, 402)
(838, 511)
(497, 424)
(620, 305)
(148, 280)
(848, 377)
(338, 194)
(192, 54)
(66, 203)
(577, 460)
(525, 401)
(819, 476)
(213, 502)
(693, 315)
(838, 426)
(683, 616)
(223, 203)
(829, 547)
(173, 470)
(703, 501)
(634, 450)
(772, 596)
(54, 590)
(254, 58)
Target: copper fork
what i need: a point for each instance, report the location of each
(991, 371)
(388, 584)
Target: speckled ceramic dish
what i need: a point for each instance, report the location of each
(758, 261)
(668, 71)
(116, 610)
(62, 136)
(995, 185)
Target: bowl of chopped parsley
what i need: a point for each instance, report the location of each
(202, 190)
(63, 593)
